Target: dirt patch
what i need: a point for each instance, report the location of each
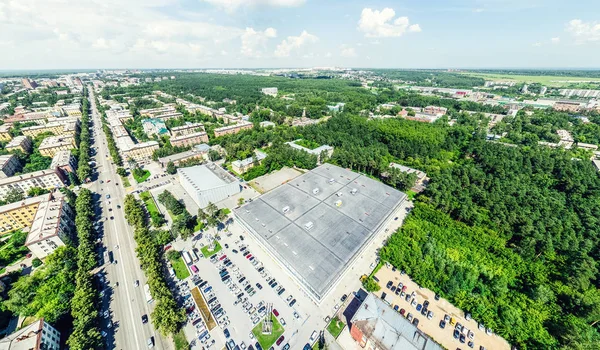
(204, 311)
(268, 182)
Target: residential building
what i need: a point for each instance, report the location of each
(5, 132)
(19, 143)
(39, 335)
(241, 166)
(567, 106)
(52, 226)
(316, 151)
(233, 129)
(154, 126)
(375, 325)
(9, 165)
(208, 183)
(272, 91)
(580, 93)
(421, 180)
(337, 107)
(19, 215)
(29, 84)
(188, 128)
(64, 161)
(197, 152)
(48, 179)
(266, 124)
(435, 110)
(154, 112)
(140, 152)
(190, 139)
(68, 127)
(52, 144)
(167, 116)
(587, 146)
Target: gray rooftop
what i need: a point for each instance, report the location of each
(342, 222)
(206, 176)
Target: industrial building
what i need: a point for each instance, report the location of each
(208, 183)
(316, 225)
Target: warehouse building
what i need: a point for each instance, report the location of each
(208, 183)
(316, 225)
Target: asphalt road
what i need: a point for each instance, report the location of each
(126, 303)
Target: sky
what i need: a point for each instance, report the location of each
(98, 34)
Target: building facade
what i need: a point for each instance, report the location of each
(9, 165)
(48, 179)
(37, 336)
(20, 143)
(64, 161)
(207, 183)
(19, 215)
(140, 152)
(52, 226)
(5, 132)
(190, 139)
(187, 129)
(241, 166)
(53, 144)
(233, 129)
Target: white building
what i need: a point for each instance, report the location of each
(316, 151)
(208, 183)
(37, 336)
(51, 227)
(272, 91)
(48, 179)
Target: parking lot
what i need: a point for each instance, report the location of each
(411, 300)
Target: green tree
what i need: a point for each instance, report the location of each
(171, 169)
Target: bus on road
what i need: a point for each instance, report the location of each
(149, 299)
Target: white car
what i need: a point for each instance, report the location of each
(282, 321)
(251, 335)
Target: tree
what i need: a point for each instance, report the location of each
(12, 196)
(37, 191)
(171, 169)
(240, 201)
(213, 155)
(121, 172)
(36, 262)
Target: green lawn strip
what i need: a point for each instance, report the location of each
(335, 327)
(181, 271)
(208, 253)
(125, 180)
(149, 201)
(199, 226)
(142, 178)
(180, 341)
(265, 340)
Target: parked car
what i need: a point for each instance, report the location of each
(275, 312)
(280, 340)
(442, 324)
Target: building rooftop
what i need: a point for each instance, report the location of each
(184, 155)
(188, 136)
(61, 158)
(388, 329)
(26, 176)
(56, 141)
(245, 162)
(316, 151)
(24, 203)
(316, 224)
(47, 219)
(206, 176)
(25, 338)
(17, 141)
(5, 158)
(405, 169)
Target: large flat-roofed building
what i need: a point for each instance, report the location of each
(37, 336)
(48, 179)
(19, 215)
(5, 132)
(189, 139)
(19, 143)
(51, 227)
(233, 129)
(316, 225)
(208, 183)
(53, 144)
(64, 161)
(375, 325)
(9, 165)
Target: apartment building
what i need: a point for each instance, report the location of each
(187, 129)
(19, 143)
(190, 139)
(153, 112)
(36, 117)
(328, 150)
(37, 336)
(197, 152)
(167, 116)
(52, 144)
(19, 215)
(435, 110)
(5, 132)
(69, 127)
(567, 106)
(140, 152)
(29, 84)
(48, 179)
(241, 166)
(64, 161)
(9, 165)
(233, 129)
(52, 226)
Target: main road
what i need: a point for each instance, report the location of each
(124, 296)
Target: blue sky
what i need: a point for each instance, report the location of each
(56, 34)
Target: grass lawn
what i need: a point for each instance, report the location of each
(144, 177)
(181, 271)
(125, 180)
(180, 342)
(411, 195)
(208, 253)
(335, 327)
(150, 205)
(199, 226)
(266, 341)
(547, 80)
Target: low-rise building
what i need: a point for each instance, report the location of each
(154, 126)
(241, 166)
(587, 146)
(48, 179)
(9, 165)
(37, 336)
(140, 152)
(167, 116)
(52, 144)
(5, 132)
(19, 215)
(207, 183)
(68, 127)
(20, 143)
(567, 106)
(197, 152)
(52, 226)
(436, 110)
(316, 151)
(188, 128)
(266, 124)
(153, 112)
(272, 91)
(190, 139)
(233, 129)
(64, 161)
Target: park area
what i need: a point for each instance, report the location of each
(267, 340)
(335, 327)
(207, 253)
(181, 270)
(140, 175)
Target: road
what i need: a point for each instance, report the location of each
(125, 302)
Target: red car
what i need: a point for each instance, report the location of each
(280, 340)
(248, 256)
(275, 312)
(223, 257)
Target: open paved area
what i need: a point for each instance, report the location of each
(440, 308)
(268, 182)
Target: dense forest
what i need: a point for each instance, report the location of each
(437, 78)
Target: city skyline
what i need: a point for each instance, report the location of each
(276, 33)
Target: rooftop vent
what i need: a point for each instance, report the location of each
(309, 225)
(286, 209)
(354, 191)
(316, 190)
(338, 203)
(331, 181)
(339, 194)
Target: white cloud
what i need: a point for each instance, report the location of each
(584, 32)
(347, 51)
(555, 40)
(232, 5)
(328, 54)
(538, 44)
(254, 42)
(293, 43)
(381, 24)
(478, 10)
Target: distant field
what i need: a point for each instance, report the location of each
(547, 80)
